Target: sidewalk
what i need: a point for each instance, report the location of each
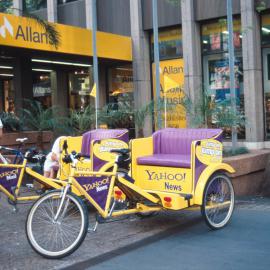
(109, 240)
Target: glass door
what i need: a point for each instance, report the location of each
(266, 82)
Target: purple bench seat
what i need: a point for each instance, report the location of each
(167, 160)
(172, 146)
(100, 134)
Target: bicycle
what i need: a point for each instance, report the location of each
(17, 152)
(57, 223)
(11, 177)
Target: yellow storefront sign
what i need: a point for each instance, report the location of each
(26, 33)
(172, 90)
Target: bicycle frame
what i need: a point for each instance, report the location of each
(11, 178)
(104, 208)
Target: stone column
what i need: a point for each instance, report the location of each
(191, 51)
(52, 10)
(253, 89)
(23, 81)
(88, 12)
(141, 61)
(18, 7)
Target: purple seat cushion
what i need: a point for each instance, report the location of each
(99, 134)
(178, 140)
(166, 160)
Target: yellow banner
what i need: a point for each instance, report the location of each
(26, 33)
(171, 88)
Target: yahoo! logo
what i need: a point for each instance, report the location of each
(152, 175)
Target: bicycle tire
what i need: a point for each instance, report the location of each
(35, 239)
(218, 194)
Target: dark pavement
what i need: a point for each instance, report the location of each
(170, 240)
(243, 244)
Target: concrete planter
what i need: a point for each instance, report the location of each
(9, 139)
(251, 172)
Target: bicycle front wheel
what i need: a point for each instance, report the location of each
(58, 238)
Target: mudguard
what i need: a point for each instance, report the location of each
(205, 175)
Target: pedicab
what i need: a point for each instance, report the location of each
(174, 169)
(12, 175)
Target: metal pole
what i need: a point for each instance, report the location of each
(156, 57)
(232, 75)
(95, 58)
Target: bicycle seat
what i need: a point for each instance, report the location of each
(21, 140)
(123, 151)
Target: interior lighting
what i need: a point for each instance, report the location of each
(225, 32)
(205, 42)
(42, 70)
(265, 30)
(60, 63)
(6, 75)
(6, 67)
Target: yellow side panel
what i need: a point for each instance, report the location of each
(206, 174)
(166, 179)
(140, 147)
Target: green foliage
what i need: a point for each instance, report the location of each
(10, 122)
(260, 5)
(6, 5)
(227, 152)
(207, 111)
(34, 117)
(116, 115)
(82, 121)
(53, 35)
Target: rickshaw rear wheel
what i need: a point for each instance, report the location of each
(218, 201)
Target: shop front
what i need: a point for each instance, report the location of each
(32, 68)
(216, 73)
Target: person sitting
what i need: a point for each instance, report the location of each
(52, 159)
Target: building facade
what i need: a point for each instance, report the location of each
(193, 49)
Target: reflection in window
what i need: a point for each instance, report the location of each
(215, 36)
(170, 44)
(42, 91)
(217, 72)
(80, 86)
(121, 85)
(5, 6)
(265, 35)
(60, 2)
(33, 5)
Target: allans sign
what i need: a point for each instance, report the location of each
(172, 90)
(23, 32)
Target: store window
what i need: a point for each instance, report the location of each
(121, 95)
(171, 77)
(5, 6)
(60, 2)
(170, 44)
(265, 33)
(216, 68)
(121, 85)
(33, 5)
(42, 91)
(80, 85)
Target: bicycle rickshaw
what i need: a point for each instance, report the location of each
(12, 174)
(172, 170)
